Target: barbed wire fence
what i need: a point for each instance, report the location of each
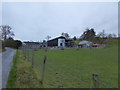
(46, 68)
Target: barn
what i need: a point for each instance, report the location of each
(60, 41)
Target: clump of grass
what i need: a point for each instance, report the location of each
(22, 74)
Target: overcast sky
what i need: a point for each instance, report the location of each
(35, 20)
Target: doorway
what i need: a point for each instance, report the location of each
(61, 44)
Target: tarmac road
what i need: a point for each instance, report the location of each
(7, 61)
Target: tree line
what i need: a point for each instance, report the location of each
(90, 35)
(7, 37)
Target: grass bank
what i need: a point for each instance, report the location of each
(67, 68)
(22, 75)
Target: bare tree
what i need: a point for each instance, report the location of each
(66, 35)
(6, 31)
(104, 38)
(102, 34)
(48, 37)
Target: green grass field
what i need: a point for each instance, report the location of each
(66, 68)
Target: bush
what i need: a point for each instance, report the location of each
(12, 43)
(17, 43)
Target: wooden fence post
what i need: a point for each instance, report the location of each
(28, 53)
(32, 58)
(25, 52)
(43, 69)
(95, 82)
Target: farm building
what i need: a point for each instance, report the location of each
(35, 45)
(84, 44)
(60, 42)
(56, 42)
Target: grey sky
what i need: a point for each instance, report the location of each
(34, 21)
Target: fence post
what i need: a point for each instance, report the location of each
(28, 53)
(95, 82)
(25, 51)
(33, 58)
(43, 69)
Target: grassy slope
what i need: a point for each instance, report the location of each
(65, 63)
(62, 68)
(22, 74)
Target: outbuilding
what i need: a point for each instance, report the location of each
(84, 44)
(59, 42)
(35, 45)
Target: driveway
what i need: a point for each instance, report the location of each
(7, 61)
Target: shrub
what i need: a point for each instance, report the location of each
(12, 43)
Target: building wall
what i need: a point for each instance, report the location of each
(52, 43)
(61, 42)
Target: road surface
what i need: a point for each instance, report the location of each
(7, 61)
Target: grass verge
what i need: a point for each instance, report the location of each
(22, 75)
